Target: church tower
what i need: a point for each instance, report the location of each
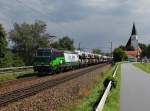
(133, 50)
(132, 43)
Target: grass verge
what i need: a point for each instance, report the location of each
(16, 75)
(89, 102)
(113, 100)
(144, 66)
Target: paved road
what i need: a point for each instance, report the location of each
(135, 89)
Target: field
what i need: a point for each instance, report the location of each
(12, 75)
(144, 66)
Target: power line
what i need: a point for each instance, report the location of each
(43, 14)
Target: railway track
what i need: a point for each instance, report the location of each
(19, 94)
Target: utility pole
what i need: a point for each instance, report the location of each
(79, 47)
(111, 49)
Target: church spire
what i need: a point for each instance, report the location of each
(133, 40)
(134, 30)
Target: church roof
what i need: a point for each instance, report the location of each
(128, 43)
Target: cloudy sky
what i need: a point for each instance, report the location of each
(93, 23)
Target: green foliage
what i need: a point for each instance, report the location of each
(11, 60)
(145, 50)
(144, 66)
(16, 75)
(148, 51)
(142, 46)
(96, 51)
(8, 60)
(113, 100)
(89, 103)
(119, 55)
(17, 61)
(108, 79)
(64, 43)
(122, 47)
(3, 42)
(3, 47)
(27, 38)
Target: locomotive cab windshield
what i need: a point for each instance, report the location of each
(42, 59)
(45, 53)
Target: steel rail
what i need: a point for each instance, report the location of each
(22, 93)
(15, 68)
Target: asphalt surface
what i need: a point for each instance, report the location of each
(135, 89)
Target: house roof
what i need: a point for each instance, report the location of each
(132, 53)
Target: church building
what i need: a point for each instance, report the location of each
(133, 50)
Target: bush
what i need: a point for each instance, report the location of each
(17, 61)
(107, 80)
(11, 60)
(119, 55)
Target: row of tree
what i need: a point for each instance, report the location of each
(145, 50)
(24, 40)
(18, 47)
(119, 53)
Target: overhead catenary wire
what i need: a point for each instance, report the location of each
(41, 13)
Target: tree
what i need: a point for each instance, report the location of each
(142, 46)
(130, 48)
(27, 38)
(64, 43)
(144, 49)
(119, 55)
(3, 47)
(122, 47)
(96, 51)
(12, 59)
(148, 51)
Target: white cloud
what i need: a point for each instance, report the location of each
(84, 20)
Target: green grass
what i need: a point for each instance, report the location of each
(144, 66)
(15, 75)
(90, 102)
(113, 100)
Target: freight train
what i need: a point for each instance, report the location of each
(49, 60)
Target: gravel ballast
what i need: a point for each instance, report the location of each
(53, 98)
(12, 85)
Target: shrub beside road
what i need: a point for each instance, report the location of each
(144, 66)
(113, 100)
